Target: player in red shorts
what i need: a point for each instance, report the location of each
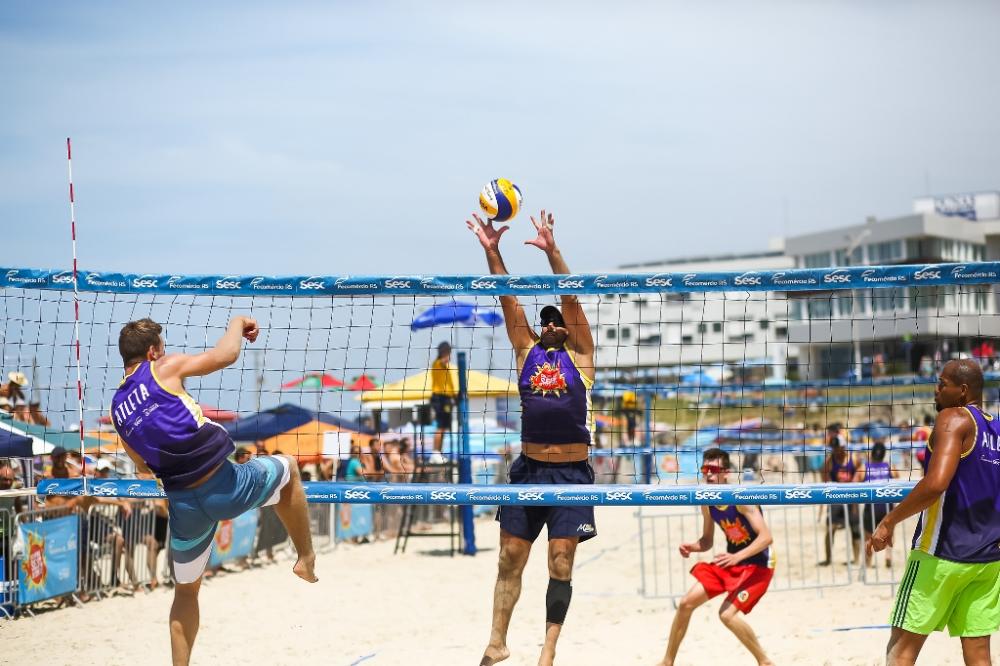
(742, 573)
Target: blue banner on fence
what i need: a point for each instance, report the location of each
(800, 279)
(49, 566)
(234, 538)
(353, 520)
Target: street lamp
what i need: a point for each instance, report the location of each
(853, 242)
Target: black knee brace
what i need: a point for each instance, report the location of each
(557, 600)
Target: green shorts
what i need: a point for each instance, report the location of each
(935, 593)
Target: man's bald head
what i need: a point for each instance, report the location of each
(960, 383)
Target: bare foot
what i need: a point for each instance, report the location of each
(304, 568)
(547, 657)
(494, 655)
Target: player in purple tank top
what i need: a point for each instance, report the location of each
(555, 372)
(876, 470)
(164, 432)
(952, 576)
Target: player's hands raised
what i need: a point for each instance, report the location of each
(543, 225)
(485, 232)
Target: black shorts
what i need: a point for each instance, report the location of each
(562, 521)
(840, 515)
(872, 515)
(443, 406)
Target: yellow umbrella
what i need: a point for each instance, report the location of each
(416, 389)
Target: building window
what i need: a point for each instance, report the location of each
(610, 334)
(765, 324)
(856, 258)
(626, 333)
(880, 253)
(818, 260)
(717, 327)
(702, 327)
(780, 332)
(686, 339)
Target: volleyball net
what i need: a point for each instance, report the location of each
(759, 364)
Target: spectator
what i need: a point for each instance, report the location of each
(8, 507)
(630, 410)
(374, 461)
(876, 470)
(12, 398)
(354, 471)
(442, 398)
(840, 467)
(59, 469)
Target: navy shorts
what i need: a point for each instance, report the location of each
(442, 405)
(563, 522)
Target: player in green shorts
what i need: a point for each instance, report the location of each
(952, 576)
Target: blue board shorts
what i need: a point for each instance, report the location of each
(563, 522)
(195, 512)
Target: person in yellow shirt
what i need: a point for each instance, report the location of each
(442, 397)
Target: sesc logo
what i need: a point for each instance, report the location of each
(104, 490)
(798, 494)
(570, 283)
(443, 495)
(713, 495)
(145, 282)
(660, 280)
(312, 282)
(747, 280)
(483, 283)
(229, 282)
(889, 491)
(927, 273)
(618, 496)
(837, 277)
(397, 283)
(66, 277)
(529, 496)
(357, 494)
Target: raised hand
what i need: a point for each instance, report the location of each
(250, 329)
(485, 232)
(543, 225)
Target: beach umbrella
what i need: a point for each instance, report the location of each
(363, 383)
(314, 380)
(456, 312)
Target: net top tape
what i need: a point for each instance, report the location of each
(823, 279)
(522, 495)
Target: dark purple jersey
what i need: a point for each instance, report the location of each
(739, 533)
(555, 399)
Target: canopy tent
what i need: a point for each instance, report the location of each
(283, 418)
(44, 439)
(416, 390)
(306, 442)
(13, 445)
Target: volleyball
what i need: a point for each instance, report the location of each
(500, 200)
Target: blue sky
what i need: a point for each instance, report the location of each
(348, 137)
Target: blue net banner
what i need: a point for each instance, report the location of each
(49, 566)
(862, 277)
(234, 538)
(522, 495)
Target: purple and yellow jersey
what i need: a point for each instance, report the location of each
(877, 471)
(739, 533)
(963, 524)
(167, 429)
(842, 472)
(555, 399)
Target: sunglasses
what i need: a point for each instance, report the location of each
(712, 469)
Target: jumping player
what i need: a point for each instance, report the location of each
(952, 576)
(164, 431)
(743, 573)
(556, 371)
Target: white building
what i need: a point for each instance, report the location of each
(649, 335)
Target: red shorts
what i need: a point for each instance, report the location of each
(745, 583)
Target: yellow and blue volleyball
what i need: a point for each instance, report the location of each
(500, 200)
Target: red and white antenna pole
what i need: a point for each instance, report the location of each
(76, 308)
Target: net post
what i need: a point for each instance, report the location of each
(464, 463)
(647, 440)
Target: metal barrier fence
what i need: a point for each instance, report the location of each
(119, 542)
(8, 564)
(800, 536)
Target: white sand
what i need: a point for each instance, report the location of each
(371, 607)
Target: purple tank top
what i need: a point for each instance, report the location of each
(877, 471)
(555, 399)
(167, 430)
(842, 472)
(963, 524)
(739, 533)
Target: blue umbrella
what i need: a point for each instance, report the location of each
(456, 312)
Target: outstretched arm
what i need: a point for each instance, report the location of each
(707, 536)
(173, 368)
(580, 337)
(522, 337)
